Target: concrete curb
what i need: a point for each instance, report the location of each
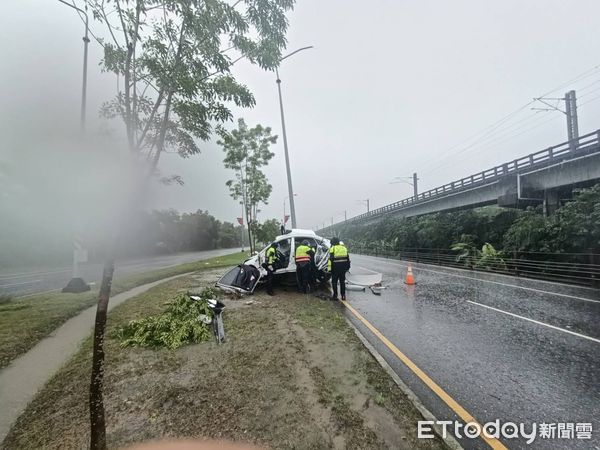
(449, 440)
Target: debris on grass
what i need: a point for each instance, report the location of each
(379, 399)
(185, 321)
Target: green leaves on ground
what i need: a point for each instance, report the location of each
(179, 325)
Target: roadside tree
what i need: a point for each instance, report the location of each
(268, 231)
(172, 60)
(247, 150)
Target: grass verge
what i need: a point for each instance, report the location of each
(24, 322)
(292, 374)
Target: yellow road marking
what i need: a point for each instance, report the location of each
(459, 410)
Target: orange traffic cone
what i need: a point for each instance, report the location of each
(410, 279)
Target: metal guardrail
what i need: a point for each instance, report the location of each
(572, 268)
(588, 143)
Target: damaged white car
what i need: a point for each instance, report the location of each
(245, 277)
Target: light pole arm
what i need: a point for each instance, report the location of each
(293, 53)
(78, 9)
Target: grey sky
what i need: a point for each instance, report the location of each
(390, 87)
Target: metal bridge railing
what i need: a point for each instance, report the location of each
(588, 143)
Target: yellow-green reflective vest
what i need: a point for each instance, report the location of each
(338, 254)
(302, 253)
(271, 255)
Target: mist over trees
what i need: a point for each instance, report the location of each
(168, 231)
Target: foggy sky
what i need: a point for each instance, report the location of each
(390, 88)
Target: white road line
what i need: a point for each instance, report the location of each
(364, 268)
(585, 299)
(19, 284)
(535, 321)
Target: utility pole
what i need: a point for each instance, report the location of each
(415, 189)
(570, 112)
(365, 202)
(345, 216)
(572, 122)
(415, 179)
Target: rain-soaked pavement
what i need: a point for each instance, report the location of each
(48, 279)
(534, 358)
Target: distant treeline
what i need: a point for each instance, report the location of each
(168, 231)
(574, 228)
(144, 234)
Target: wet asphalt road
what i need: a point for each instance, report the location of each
(38, 280)
(495, 365)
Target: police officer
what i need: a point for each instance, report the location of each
(339, 264)
(269, 265)
(303, 257)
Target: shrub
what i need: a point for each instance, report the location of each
(179, 325)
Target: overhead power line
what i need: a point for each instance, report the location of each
(498, 129)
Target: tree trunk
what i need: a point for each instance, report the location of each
(127, 81)
(96, 401)
(248, 221)
(163, 132)
(165, 120)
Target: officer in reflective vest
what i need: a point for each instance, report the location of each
(303, 256)
(339, 264)
(269, 265)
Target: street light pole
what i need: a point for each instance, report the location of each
(76, 284)
(86, 41)
(285, 143)
(287, 156)
(284, 200)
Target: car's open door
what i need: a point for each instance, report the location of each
(242, 279)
